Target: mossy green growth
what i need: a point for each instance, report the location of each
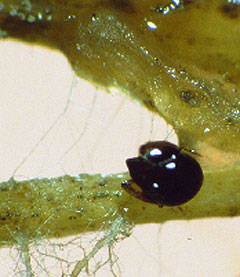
(183, 65)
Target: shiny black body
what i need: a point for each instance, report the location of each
(166, 175)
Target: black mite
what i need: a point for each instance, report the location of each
(165, 173)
